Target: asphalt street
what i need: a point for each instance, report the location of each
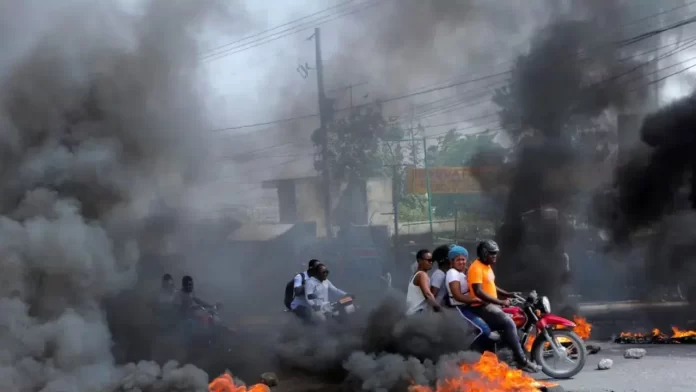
(665, 368)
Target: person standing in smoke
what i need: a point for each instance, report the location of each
(418, 294)
(482, 285)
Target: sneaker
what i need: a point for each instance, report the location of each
(529, 367)
(494, 336)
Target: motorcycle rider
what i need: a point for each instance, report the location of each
(299, 305)
(318, 289)
(460, 298)
(437, 280)
(482, 286)
(418, 294)
(186, 298)
(167, 291)
(163, 308)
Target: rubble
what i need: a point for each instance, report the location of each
(554, 388)
(592, 349)
(634, 353)
(605, 364)
(270, 379)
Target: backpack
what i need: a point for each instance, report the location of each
(290, 290)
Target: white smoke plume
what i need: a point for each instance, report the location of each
(99, 115)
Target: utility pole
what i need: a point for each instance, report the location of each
(323, 119)
(396, 195)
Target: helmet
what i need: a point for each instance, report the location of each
(485, 248)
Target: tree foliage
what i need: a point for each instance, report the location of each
(355, 150)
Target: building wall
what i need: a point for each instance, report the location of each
(309, 202)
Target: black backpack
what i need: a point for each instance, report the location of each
(290, 290)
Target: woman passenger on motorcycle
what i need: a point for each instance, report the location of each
(418, 294)
(437, 280)
(460, 298)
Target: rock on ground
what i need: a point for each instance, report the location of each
(605, 364)
(634, 353)
(269, 379)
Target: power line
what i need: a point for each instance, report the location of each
(211, 51)
(287, 32)
(451, 85)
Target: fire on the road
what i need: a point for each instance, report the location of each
(656, 336)
(582, 329)
(225, 383)
(486, 375)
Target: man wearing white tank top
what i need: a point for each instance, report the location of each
(418, 294)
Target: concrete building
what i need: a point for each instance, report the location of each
(300, 200)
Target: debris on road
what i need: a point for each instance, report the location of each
(634, 353)
(605, 364)
(592, 349)
(554, 388)
(657, 337)
(269, 379)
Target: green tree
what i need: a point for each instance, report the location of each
(357, 151)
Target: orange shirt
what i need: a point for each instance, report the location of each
(482, 274)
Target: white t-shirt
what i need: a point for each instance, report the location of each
(299, 300)
(438, 281)
(452, 276)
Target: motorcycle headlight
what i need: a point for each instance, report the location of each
(545, 305)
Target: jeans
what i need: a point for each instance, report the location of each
(481, 341)
(500, 321)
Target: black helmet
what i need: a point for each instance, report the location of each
(485, 248)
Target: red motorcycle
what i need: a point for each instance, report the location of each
(553, 335)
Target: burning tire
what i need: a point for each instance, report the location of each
(571, 349)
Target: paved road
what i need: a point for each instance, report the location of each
(665, 368)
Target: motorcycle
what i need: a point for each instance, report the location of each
(338, 311)
(208, 325)
(554, 335)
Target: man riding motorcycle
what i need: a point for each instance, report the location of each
(188, 304)
(163, 307)
(318, 290)
(481, 280)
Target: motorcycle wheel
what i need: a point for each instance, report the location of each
(575, 340)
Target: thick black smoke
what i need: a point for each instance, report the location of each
(379, 349)
(652, 204)
(98, 117)
(552, 110)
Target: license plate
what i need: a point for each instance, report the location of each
(350, 309)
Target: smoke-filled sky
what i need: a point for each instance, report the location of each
(396, 47)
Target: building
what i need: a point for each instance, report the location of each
(300, 199)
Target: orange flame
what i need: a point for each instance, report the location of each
(656, 333)
(225, 383)
(486, 375)
(582, 329)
